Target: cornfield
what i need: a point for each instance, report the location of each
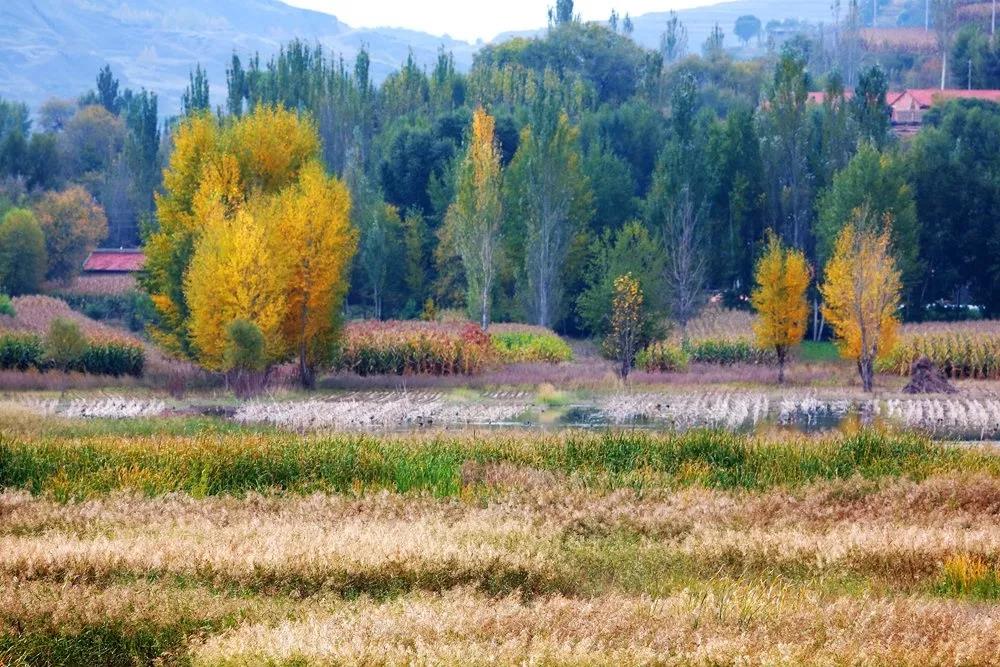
(437, 348)
(717, 336)
(959, 349)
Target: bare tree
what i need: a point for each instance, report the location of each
(944, 25)
(685, 265)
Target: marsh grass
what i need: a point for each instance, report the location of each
(226, 462)
(969, 575)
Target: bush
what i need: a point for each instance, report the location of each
(7, 306)
(65, 345)
(21, 351)
(662, 356)
(133, 308)
(529, 346)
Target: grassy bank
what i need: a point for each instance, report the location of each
(238, 462)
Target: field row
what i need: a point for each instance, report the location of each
(546, 571)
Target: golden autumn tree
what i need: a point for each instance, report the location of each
(782, 277)
(73, 224)
(315, 248)
(861, 293)
(473, 220)
(251, 230)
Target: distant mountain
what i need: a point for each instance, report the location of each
(699, 21)
(55, 47)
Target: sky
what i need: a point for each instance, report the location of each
(470, 20)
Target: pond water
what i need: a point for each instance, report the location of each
(952, 418)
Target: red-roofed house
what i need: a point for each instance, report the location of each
(908, 107)
(108, 271)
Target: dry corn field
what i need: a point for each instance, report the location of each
(224, 545)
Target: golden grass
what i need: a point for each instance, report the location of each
(527, 562)
(746, 625)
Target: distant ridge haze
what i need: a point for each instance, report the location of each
(54, 48)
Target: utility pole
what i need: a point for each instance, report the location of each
(969, 78)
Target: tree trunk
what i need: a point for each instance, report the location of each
(307, 374)
(782, 354)
(866, 366)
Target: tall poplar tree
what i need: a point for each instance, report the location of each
(474, 217)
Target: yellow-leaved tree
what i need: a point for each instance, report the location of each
(473, 220)
(861, 292)
(782, 277)
(251, 231)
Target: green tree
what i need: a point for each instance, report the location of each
(954, 170)
(65, 344)
(869, 107)
(195, 96)
(551, 200)
(875, 183)
(107, 91)
(629, 250)
(22, 253)
(746, 28)
(785, 138)
(713, 46)
(673, 41)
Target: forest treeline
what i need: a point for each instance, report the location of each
(610, 159)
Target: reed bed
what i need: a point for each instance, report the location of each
(388, 410)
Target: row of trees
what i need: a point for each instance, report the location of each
(522, 190)
(108, 142)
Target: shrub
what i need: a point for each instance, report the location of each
(21, 351)
(625, 337)
(527, 346)
(662, 356)
(65, 345)
(245, 358)
(133, 308)
(406, 347)
(7, 306)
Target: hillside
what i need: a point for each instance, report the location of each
(55, 47)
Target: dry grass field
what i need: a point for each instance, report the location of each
(178, 541)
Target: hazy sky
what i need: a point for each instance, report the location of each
(475, 19)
